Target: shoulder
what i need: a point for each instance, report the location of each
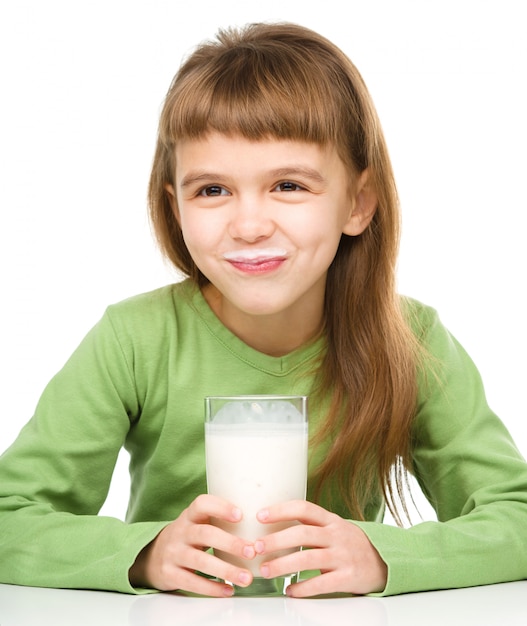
(443, 360)
(154, 305)
(150, 317)
(450, 387)
(425, 322)
(420, 317)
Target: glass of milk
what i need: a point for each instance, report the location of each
(256, 456)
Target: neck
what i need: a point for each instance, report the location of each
(275, 335)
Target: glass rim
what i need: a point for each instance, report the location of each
(263, 396)
(216, 404)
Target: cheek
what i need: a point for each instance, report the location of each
(323, 229)
(200, 233)
(325, 236)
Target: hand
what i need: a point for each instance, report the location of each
(342, 552)
(172, 559)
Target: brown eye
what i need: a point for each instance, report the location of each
(288, 186)
(213, 190)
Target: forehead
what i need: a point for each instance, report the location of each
(223, 152)
(217, 156)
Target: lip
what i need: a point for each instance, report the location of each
(257, 261)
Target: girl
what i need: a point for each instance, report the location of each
(272, 190)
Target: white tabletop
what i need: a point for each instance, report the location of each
(495, 605)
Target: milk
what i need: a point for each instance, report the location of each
(255, 465)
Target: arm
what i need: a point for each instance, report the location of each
(474, 477)
(55, 477)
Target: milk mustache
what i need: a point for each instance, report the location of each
(256, 456)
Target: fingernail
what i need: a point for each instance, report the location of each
(248, 552)
(228, 591)
(244, 578)
(259, 547)
(263, 515)
(236, 514)
(264, 571)
(288, 592)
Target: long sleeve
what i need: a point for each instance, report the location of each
(55, 477)
(473, 475)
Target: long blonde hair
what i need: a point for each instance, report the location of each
(288, 82)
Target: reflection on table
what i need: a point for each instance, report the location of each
(495, 605)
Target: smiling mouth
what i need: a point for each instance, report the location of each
(258, 260)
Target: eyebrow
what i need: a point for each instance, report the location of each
(305, 172)
(200, 176)
(282, 172)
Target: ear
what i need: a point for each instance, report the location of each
(364, 205)
(172, 199)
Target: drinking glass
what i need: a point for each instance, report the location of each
(256, 456)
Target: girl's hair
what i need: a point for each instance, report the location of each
(285, 81)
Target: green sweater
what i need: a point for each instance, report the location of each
(138, 379)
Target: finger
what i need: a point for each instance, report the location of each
(341, 581)
(206, 506)
(300, 510)
(212, 565)
(316, 586)
(297, 561)
(294, 537)
(209, 536)
(194, 583)
(190, 560)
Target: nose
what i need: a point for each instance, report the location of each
(250, 221)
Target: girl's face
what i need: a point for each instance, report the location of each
(263, 220)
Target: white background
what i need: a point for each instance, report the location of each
(82, 86)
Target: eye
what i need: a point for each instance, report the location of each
(287, 185)
(213, 190)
